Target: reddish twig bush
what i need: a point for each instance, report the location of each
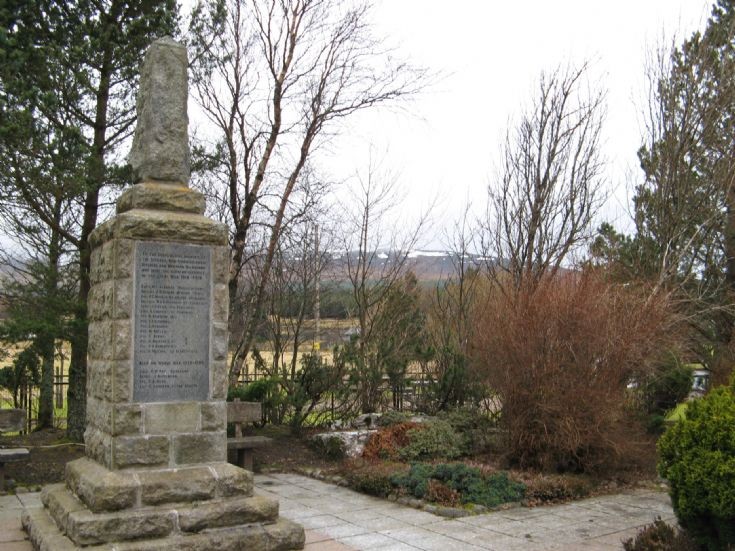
(560, 355)
(386, 443)
(438, 492)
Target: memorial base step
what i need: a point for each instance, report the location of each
(85, 527)
(104, 490)
(206, 507)
(281, 535)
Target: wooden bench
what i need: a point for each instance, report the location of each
(240, 413)
(11, 420)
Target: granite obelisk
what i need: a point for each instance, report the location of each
(156, 475)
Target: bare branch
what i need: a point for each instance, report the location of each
(550, 183)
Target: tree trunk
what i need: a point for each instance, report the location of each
(77, 393)
(730, 242)
(46, 398)
(724, 362)
(47, 339)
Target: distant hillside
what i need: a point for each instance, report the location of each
(428, 266)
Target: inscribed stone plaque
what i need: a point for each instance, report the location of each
(173, 290)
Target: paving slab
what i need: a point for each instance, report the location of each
(339, 519)
(320, 522)
(12, 536)
(363, 522)
(374, 540)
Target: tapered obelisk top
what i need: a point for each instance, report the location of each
(161, 142)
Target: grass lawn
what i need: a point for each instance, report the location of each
(678, 413)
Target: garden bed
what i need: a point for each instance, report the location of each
(50, 452)
(454, 466)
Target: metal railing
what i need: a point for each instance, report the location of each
(28, 396)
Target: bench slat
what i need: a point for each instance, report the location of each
(241, 413)
(13, 454)
(12, 420)
(248, 442)
(244, 412)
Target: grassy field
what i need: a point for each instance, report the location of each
(61, 365)
(268, 357)
(678, 413)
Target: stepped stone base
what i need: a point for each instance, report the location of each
(282, 535)
(196, 508)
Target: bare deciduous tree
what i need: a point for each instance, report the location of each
(451, 314)
(291, 296)
(375, 254)
(549, 186)
(274, 76)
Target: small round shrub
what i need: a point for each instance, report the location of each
(464, 419)
(697, 457)
(330, 447)
(660, 536)
(416, 480)
(393, 417)
(373, 478)
(434, 439)
(476, 429)
(490, 490)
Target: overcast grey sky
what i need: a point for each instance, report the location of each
(491, 53)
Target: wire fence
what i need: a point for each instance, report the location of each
(411, 395)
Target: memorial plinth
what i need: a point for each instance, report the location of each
(157, 376)
(156, 474)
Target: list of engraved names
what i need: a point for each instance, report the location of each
(172, 320)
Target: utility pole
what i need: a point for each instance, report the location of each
(317, 305)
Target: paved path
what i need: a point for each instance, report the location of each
(340, 519)
(12, 536)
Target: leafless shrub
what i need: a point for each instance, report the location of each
(560, 354)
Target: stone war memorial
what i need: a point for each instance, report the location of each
(155, 475)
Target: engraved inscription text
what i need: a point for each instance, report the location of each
(172, 321)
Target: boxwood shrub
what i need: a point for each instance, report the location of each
(435, 439)
(697, 457)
